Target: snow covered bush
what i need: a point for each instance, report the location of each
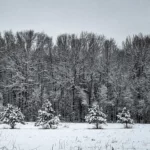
(12, 115)
(96, 116)
(125, 118)
(46, 117)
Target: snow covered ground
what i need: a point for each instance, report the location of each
(75, 136)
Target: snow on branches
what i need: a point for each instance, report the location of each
(12, 115)
(96, 115)
(46, 117)
(125, 117)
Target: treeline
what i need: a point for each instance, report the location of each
(74, 73)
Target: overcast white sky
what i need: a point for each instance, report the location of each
(113, 18)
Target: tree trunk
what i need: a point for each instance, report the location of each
(12, 126)
(80, 112)
(91, 91)
(97, 125)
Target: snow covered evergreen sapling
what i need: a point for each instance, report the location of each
(12, 115)
(96, 116)
(46, 117)
(125, 117)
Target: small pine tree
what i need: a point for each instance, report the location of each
(125, 117)
(96, 115)
(12, 115)
(46, 117)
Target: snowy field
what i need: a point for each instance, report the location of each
(75, 136)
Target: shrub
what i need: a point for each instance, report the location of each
(12, 115)
(125, 118)
(96, 116)
(46, 117)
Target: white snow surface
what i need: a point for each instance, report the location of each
(75, 136)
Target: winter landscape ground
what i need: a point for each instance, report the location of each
(75, 136)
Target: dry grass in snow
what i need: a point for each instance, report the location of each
(75, 136)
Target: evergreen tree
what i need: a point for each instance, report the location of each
(12, 115)
(125, 117)
(96, 115)
(46, 116)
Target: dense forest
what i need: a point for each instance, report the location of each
(74, 72)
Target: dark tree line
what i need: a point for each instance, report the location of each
(74, 73)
